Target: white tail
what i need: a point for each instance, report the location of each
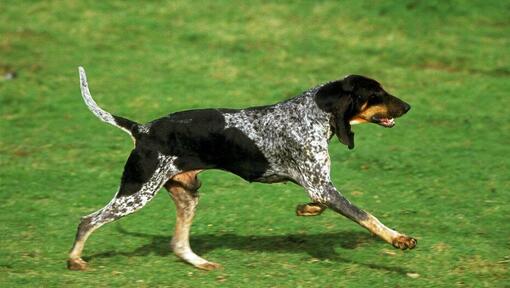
(100, 113)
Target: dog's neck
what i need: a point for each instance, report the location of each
(307, 104)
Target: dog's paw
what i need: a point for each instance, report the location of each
(209, 266)
(404, 242)
(77, 264)
(310, 209)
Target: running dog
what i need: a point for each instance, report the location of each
(287, 141)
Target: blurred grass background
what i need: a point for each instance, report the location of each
(441, 175)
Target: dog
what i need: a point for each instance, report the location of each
(287, 141)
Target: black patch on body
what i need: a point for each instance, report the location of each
(139, 168)
(200, 140)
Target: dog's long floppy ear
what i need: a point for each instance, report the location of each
(336, 98)
(341, 120)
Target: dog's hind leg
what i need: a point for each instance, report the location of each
(144, 174)
(183, 190)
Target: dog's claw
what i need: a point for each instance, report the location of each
(404, 242)
(76, 264)
(310, 209)
(209, 266)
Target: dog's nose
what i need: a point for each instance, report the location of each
(407, 107)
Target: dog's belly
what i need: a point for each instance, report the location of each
(252, 171)
(273, 178)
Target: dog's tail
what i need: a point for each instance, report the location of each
(126, 125)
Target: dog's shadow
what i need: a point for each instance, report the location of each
(318, 246)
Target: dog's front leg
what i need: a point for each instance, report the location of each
(329, 196)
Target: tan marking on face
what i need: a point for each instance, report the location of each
(357, 120)
(367, 112)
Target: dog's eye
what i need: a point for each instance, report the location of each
(374, 99)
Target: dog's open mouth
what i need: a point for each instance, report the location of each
(385, 122)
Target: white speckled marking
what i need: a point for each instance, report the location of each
(124, 205)
(293, 136)
(92, 105)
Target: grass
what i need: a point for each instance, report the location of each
(441, 175)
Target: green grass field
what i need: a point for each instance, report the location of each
(441, 175)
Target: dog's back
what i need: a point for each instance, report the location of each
(200, 139)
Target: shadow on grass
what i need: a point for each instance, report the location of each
(319, 246)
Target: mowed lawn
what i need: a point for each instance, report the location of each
(441, 175)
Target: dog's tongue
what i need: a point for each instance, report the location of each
(388, 122)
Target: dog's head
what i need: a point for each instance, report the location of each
(358, 99)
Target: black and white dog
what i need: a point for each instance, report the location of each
(287, 141)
